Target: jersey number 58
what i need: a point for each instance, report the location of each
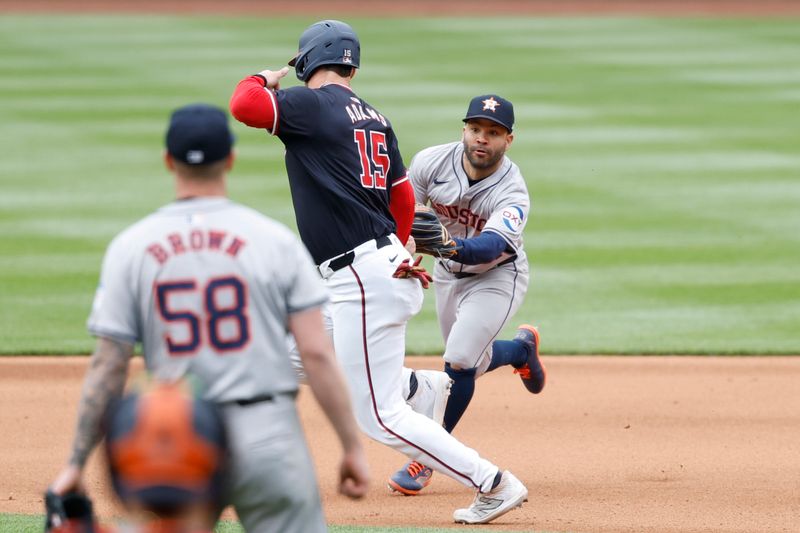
(225, 325)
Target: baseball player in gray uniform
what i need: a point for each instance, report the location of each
(210, 288)
(481, 198)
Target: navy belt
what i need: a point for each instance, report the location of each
(348, 258)
(250, 401)
(462, 275)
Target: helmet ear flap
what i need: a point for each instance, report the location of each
(300, 67)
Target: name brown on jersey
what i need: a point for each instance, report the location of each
(196, 240)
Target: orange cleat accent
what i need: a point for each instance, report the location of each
(533, 373)
(411, 479)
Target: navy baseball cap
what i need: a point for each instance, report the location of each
(199, 134)
(492, 107)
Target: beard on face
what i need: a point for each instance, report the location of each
(490, 159)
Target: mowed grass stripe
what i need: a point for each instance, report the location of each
(19, 523)
(660, 154)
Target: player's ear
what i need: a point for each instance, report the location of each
(353, 71)
(169, 162)
(509, 140)
(229, 161)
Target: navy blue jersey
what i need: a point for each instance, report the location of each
(342, 159)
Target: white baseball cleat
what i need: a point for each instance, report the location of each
(433, 389)
(507, 495)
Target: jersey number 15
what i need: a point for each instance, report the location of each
(374, 158)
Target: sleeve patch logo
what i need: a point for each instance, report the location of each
(512, 218)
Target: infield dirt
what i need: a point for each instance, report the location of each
(613, 444)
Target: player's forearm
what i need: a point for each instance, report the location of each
(401, 205)
(252, 105)
(330, 390)
(104, 382)
(484, 248)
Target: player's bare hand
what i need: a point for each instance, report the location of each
(354, 474)
(68, 480)
(411, 245)
(407, 269)
(273, 77)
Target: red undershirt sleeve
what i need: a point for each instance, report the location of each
(401, 206)
(253, 105)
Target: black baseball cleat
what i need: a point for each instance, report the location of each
(532, 373)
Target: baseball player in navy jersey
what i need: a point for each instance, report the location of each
(210, 288)
(481, 198)
(354, 206)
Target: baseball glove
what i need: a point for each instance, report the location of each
(430, 236)
(70, 513)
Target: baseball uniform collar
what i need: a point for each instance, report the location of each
(196, 202)
(330, 83)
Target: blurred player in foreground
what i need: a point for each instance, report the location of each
(210, 288)
(166, 451)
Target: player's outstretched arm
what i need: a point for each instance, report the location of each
(330, 389)
(254, 106)
(484, 248)
(104, 382)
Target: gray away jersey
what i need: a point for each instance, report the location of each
(207, 286)
(498, 203)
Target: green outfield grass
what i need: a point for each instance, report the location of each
(661, 154)
(34, 524)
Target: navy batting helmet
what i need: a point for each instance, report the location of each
(327, 42)
(166, 448)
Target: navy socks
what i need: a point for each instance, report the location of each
(460, 395)
(508, 353)
(503, 353)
